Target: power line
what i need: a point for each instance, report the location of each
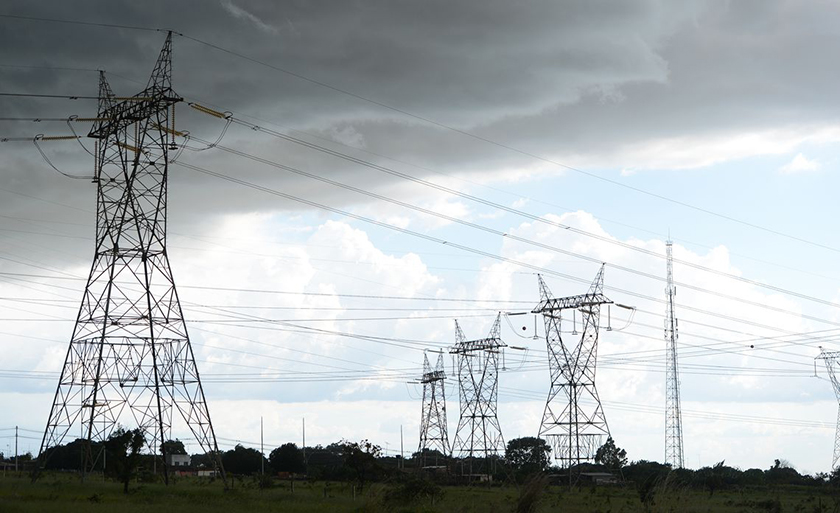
(438, 124)
(511, 148)
(77, 22)
(453, 244)
(504, 208)
(524, 240)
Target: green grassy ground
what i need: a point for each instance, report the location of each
(63, 493)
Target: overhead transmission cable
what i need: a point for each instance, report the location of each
(430, 121)
(453, 244)
(493, 204)
(517, 238)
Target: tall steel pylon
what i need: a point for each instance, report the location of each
(433, 430)
(573, 422)
(673, 412)
(479, 434)
(130, 357)
(832, 362)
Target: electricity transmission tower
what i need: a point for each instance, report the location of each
(433, 431)
(479, 434)
(831, 359)
(130, 360)
(673, 414)
(573, 422)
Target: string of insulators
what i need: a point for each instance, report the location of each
(72, 118)
(169, 130)
(40, 138)
(58, 138)
(128, 147)
(211, 112)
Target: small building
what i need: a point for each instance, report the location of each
(598, 478)
(178, 460)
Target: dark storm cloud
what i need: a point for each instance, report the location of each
(555, 78)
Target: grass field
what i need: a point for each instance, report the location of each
(64, 493)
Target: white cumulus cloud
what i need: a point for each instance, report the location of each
(799, 164)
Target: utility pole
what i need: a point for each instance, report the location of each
(303, 426)
(832, 361)
(433, 428)
(573, 423)
(262, 449)
(402, 455)
(479, 433)
(16, 448)
(673, 413)
(130, 357)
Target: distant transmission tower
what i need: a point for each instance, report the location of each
(832, 362)
(433, 431)
(130, 360)
(673, 414)
(479, 434)
(573, 423)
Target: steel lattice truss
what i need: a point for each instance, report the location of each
(130, 360)
(832, 365)
(479, 434)
(433, 432)
(673, 413)
(573, 423)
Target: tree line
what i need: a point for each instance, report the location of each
(122, 458)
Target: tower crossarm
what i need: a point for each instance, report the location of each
(429, 377)
(831, 359)
(829, 355)
(484, 344)
(139, 107)
(565, 303)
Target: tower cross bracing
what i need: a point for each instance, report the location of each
(832, 365)
(130, 361)
(573, 422)
(433, 428)
(673, 412)
(479, 434)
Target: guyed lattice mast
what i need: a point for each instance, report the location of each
(673, 412)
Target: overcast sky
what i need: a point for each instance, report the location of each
(714, 120)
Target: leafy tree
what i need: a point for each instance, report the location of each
(361, 458)
(174, 447)
(69, 456)
(242, 460)
(610, 455)
(430, 457)
(527, 454)
(123, 448)
(782, 472)
(287, 458)
(327, 463)
(834, 477)
(203, 460)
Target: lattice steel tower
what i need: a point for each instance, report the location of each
(130, 360)
(673, 413)
(433, 430)
(832, 363)
(479, 434)
(573, 422)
